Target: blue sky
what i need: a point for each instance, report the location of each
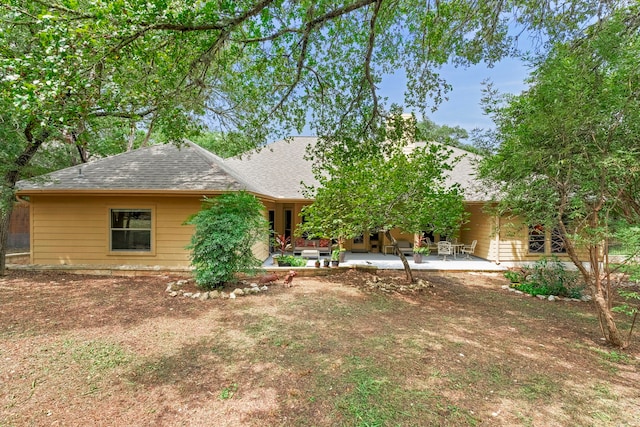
(463, 106)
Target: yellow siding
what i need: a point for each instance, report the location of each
(75, 230)
(480, 227)
(511, 245)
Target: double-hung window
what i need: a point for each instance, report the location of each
(130, 230)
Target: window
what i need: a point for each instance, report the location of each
(537, 238)
(288, 222)
(557, 242)
(131, 230)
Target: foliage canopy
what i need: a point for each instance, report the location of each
(569, 146)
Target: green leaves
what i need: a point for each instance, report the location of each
(226, 229)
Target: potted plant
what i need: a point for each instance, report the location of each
(325, 262)
(419, 250)
(280, 241)
(335, 257)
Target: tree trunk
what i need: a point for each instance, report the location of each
(602, 302)
(7, 193)
(5, 219)
(593, 280)
(405, 263)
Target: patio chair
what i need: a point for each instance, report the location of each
(405, 247)
(444, 249)
(469, 249)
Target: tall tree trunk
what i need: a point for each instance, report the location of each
(405, 263)
(9, 184)
(601, 298)
(5, 219)
(602, 301)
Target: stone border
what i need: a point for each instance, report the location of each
(584, 298)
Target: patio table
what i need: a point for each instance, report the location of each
(456, 247)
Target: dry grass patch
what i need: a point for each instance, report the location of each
(119, 351)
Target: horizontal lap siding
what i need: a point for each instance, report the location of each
(75, 230)
(480, 227)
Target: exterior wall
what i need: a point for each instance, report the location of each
(480, 227)
(511, 244)
(75, 230)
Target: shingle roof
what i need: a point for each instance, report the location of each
(158, 167)
(277, 171)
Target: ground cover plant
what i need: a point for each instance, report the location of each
(548, 276)
(334, 351)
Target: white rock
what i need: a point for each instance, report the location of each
(232, 295)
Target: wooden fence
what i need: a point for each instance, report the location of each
(19, 228)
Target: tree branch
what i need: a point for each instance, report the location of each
(369, 55)
(336, 13)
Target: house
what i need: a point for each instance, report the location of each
(130, 209)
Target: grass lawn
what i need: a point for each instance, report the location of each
(111, 351)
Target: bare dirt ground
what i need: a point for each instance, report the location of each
(116, 351)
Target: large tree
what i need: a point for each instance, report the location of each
(375, 191)
(569, 148)
(257, 67)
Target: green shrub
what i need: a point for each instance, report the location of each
(513, 276)
(226, 229)
(550, 277)
(291, 260)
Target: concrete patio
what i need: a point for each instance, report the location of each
(431, 262)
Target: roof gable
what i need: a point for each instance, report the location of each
(157, 167)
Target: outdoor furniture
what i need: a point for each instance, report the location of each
(405, 247)
(428, 243)
(310, 253)
(388, 249)
(444, 249)
(323, 246)
(456, 248)
(469, 249)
